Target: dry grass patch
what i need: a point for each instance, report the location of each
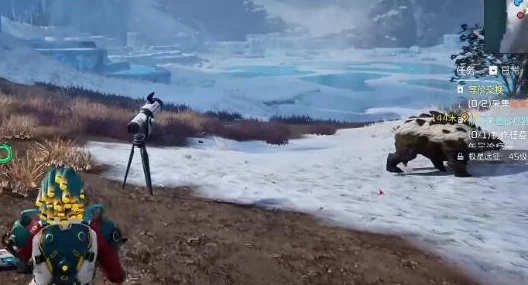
(43, 111)
(62, 152)
(24, 173)
(18, 126)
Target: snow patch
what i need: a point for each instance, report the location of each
(480, 222)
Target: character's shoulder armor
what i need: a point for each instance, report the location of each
(24, 228)
(109, 230)
(112, 234)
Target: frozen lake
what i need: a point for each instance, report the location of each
(349, 85)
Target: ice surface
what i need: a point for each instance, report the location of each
(351, 81)
(480, 222)
(83, 59)
(330, 90)
(402, 67)
(26, 31)
(270, 70)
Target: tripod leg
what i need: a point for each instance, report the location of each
(146, 168)
(128, 166)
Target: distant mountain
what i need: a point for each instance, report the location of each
(376, 23)
(436, 18)
(380, 23)
(105, 17)
(225, 19)
(158, 20)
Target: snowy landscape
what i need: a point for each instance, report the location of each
(328, 85)
(480, 222)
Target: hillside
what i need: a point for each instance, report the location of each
(231, 20)
(380, 23)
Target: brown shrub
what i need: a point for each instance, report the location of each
(44, 111)
(62, 152)
(272, 133)
(23, 174)
(103, 127)
(174, 131)
(18, 127)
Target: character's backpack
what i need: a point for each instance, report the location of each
(64, 249)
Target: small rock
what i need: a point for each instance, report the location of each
(409, 263)
(210, 245)
(193, 240)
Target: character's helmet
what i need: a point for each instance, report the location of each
(61, 198)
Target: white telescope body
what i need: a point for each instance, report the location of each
(141, 128)
(143, 122)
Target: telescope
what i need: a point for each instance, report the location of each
(141, 128)
(143, 122)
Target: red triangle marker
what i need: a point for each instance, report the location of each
(380, 192)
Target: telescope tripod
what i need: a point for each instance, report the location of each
(139, 142)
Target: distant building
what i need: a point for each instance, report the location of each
(133, 41)
(87, 57)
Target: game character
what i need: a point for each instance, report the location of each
(62, 240)
(440, 137)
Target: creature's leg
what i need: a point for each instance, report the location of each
(393, 159)
(459, 166)
(404, 153)
(408, 157)
(438, 163)
(437, 157)
(460, 170)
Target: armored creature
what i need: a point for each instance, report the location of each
(63, 240)
(440, 137)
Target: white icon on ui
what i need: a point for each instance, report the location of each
(493, 70)
(460, 89)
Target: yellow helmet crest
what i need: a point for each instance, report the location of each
(61, 197)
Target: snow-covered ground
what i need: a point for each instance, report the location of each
(481, 222)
